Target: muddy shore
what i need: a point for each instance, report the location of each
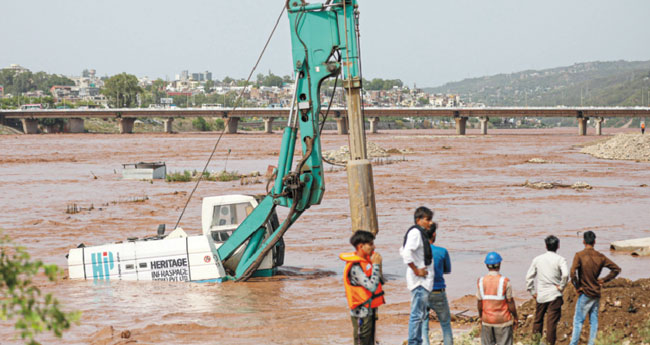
(474, 184)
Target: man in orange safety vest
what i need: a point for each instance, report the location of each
(363, 286)
(496, 307)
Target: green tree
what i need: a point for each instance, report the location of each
(22, 300)
(269, 80)
(158, 89)
(201, 124)
(273, 80)
(208, 86)
(381, 84)
(122, 90)
(260, 79)
(16, 83)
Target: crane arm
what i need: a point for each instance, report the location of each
(322, 35)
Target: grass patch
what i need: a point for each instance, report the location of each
(187, 176)
(177, 176)
(226, 176)
(614, 338)
(645, 332)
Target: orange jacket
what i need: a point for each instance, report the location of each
(358, 295)
(493, 298)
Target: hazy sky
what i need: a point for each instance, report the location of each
(428, 42)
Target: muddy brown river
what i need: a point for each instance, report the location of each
(473, 183)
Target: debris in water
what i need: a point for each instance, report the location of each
(581, 185)
(551, 185)
(253, 178)
(636, 246)
(73, 209)
(537, 160)
(342, 155)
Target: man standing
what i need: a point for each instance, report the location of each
(643, 127)
(416, 253)
(438, 297)
(546, 279)
(496, 307)
(363, 289)
(586, 267)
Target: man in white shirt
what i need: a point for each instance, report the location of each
(546, 279)
(416, 253)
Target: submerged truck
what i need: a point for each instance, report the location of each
(177, 256)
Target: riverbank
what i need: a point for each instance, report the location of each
(624, 318)
(474, 183)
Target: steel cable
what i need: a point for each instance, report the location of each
(205, 168)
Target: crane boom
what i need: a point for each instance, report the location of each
(324, 44)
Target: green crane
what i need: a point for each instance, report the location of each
(324, 40)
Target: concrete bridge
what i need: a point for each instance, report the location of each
(126, 117)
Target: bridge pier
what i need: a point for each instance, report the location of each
(599, 125)
(341, 126)
(126, 125)
(268, 125)
(484, 122)
(374, 124)
(231, 125)
(76, 125)
(168, 123)
(30, 126)
(582, 125)
(461, 124)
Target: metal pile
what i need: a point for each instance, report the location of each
(622, 147)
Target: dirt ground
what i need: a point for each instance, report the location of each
(474, 184)
(624, 313)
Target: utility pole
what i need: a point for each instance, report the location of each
(363, 210)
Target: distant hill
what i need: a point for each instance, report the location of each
(613, 83)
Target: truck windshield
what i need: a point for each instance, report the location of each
(232, 214)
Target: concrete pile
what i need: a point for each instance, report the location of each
(622, 147)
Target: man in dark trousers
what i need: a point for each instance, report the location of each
(438, 297)
(363, 287)
(546, 279)
(587, 265)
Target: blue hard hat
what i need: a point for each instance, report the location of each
(492, 258)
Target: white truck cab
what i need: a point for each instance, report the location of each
(177, 256)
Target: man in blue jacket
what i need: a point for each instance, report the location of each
(438, 297)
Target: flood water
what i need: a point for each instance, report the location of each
(473, 183)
